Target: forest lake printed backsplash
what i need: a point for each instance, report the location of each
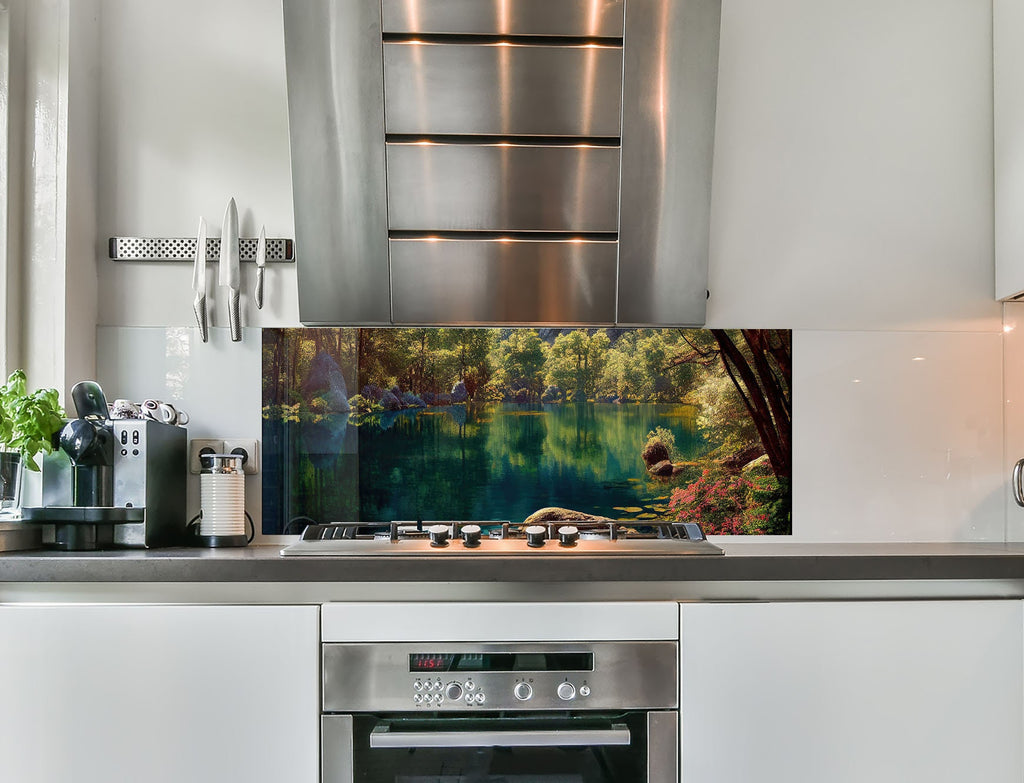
(495, 423)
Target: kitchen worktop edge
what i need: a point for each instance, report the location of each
(743, 562)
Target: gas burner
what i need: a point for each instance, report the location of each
(502, 539)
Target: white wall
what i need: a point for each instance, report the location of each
(852, 203)
(194, 112)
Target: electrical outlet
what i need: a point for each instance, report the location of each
(249, 448)
(199, 446)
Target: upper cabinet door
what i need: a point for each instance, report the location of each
(1008, 107)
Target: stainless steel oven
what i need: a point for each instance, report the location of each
(517, 712)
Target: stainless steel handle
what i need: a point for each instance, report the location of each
(258, 293)
(383, 737)
(199, 306)
(1018, 486)
(234, 316)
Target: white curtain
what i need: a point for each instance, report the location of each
(48, 143)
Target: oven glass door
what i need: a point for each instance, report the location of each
(605, 748)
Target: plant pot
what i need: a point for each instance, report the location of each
(11, 469)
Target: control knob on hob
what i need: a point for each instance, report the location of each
(568, 535)
(471, 535)
(566, 691)
(438, 535)
(535, 535)
(522, 691)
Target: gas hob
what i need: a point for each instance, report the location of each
(481, 539)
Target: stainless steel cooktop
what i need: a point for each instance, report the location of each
(476, 539)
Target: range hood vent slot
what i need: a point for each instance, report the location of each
(498, 39)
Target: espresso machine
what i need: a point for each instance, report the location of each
(112, 483)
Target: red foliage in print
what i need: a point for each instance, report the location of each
(718, 501)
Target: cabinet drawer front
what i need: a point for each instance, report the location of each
(495, 187)
(502, 89)
(502, 281)
(500, 17)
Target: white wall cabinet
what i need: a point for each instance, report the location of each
(1008, 131)
(162, 694)
(900, 692)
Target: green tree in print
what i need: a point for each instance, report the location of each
(383, 356)
(520, 358)
(576, 361)
(633, 366)
(744, 386)
(469, 350)
(758, 364)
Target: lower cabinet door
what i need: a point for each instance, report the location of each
(160, 694)
(851, 692)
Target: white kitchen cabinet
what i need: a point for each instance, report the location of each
(1008, 132)
(900, 692)
(161, 694)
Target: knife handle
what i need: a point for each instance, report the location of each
(258, 294)
(234, 317)
(199, 306)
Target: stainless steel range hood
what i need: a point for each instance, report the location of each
(502, 161)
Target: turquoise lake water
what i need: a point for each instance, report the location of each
(481, 462)
(504, 461)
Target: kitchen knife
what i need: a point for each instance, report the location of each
(261, 262)
(199, 281)
(229, 274)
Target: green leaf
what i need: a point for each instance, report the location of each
(28, 421)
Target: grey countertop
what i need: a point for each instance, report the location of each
(761, 561)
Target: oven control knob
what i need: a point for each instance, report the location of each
(568, 535)
(584, 690)
(453, 692)
(535, 535)
(522, 691)
(438, 535)
(471, 535)
(566, 691)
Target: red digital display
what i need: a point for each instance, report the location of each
(430, 662)
(502, 662)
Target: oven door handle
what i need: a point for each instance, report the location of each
(383, 737)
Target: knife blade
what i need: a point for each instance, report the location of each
(229, 273)
(261, 262)
(199, 282)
